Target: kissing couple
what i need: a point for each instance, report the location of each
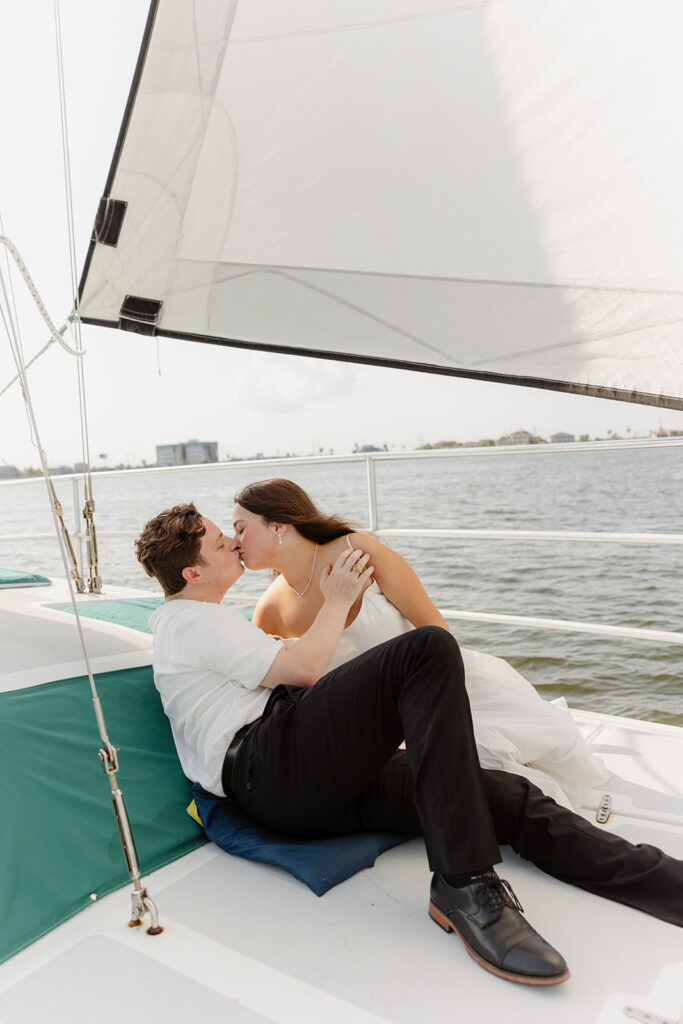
(307, 735)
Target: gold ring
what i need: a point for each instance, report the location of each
(357, 569)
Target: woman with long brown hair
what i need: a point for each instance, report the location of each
(279, 526)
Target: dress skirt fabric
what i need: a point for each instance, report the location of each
(515, 729)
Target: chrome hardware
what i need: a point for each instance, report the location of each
(109, 759)
(635, 1013)
(66, 539)
(140, 905)
(604, 810)
(94, 579)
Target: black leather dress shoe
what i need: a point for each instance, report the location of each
(486, 915)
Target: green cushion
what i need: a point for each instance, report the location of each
(133, 612)
(59, 841)
(20, 578)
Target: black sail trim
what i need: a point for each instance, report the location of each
(109, 221)
(123, 131)
(139, 314)
(542, 383)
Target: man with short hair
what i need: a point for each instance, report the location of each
(315, 754)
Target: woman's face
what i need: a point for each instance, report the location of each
(256, 537)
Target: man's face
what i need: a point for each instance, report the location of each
(222, 566)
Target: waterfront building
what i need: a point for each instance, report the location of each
(561, 438)
(197, 452)
(188, 453)
(171, 455)
(517, 437)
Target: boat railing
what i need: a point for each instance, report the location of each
(369, 460)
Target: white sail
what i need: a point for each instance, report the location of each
(490, 189)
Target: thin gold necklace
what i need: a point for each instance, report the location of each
(300, 593)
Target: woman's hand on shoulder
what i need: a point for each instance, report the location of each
(304, 662)
(399, 582)
(347, 577)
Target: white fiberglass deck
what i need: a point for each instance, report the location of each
(40, 643)
(245, 943)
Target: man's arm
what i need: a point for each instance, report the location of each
(307, 660)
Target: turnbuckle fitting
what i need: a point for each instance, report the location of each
(109, 759)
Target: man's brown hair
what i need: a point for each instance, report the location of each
(169, 543)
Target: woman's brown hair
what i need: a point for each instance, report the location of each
(282, 501)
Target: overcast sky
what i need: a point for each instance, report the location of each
(248, 402)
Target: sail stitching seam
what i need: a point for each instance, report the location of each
(444, 12)
(568, 286)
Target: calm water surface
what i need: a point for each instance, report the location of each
(621, 491)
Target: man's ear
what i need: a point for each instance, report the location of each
(191, 574)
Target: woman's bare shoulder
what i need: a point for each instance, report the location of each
(268, 610)
(333, 548)
(365, 541)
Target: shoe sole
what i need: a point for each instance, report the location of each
(521, 979)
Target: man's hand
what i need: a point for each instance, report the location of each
(306, 660)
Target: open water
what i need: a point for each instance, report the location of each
(624, 491)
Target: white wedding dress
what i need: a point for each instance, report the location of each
(515, 728)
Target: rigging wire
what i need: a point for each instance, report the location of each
(61, 330)
(141, 901)
(94, 581)
(108, 754)
(11, 249)
(16, 347)
(9, 276)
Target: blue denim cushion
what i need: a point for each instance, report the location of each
(319, 863)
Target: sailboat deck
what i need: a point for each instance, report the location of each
(246, 942)
(40, 642)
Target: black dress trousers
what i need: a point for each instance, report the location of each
(324, 761)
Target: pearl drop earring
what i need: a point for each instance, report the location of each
(279, 538)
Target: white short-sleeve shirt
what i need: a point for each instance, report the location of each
(209, 662)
